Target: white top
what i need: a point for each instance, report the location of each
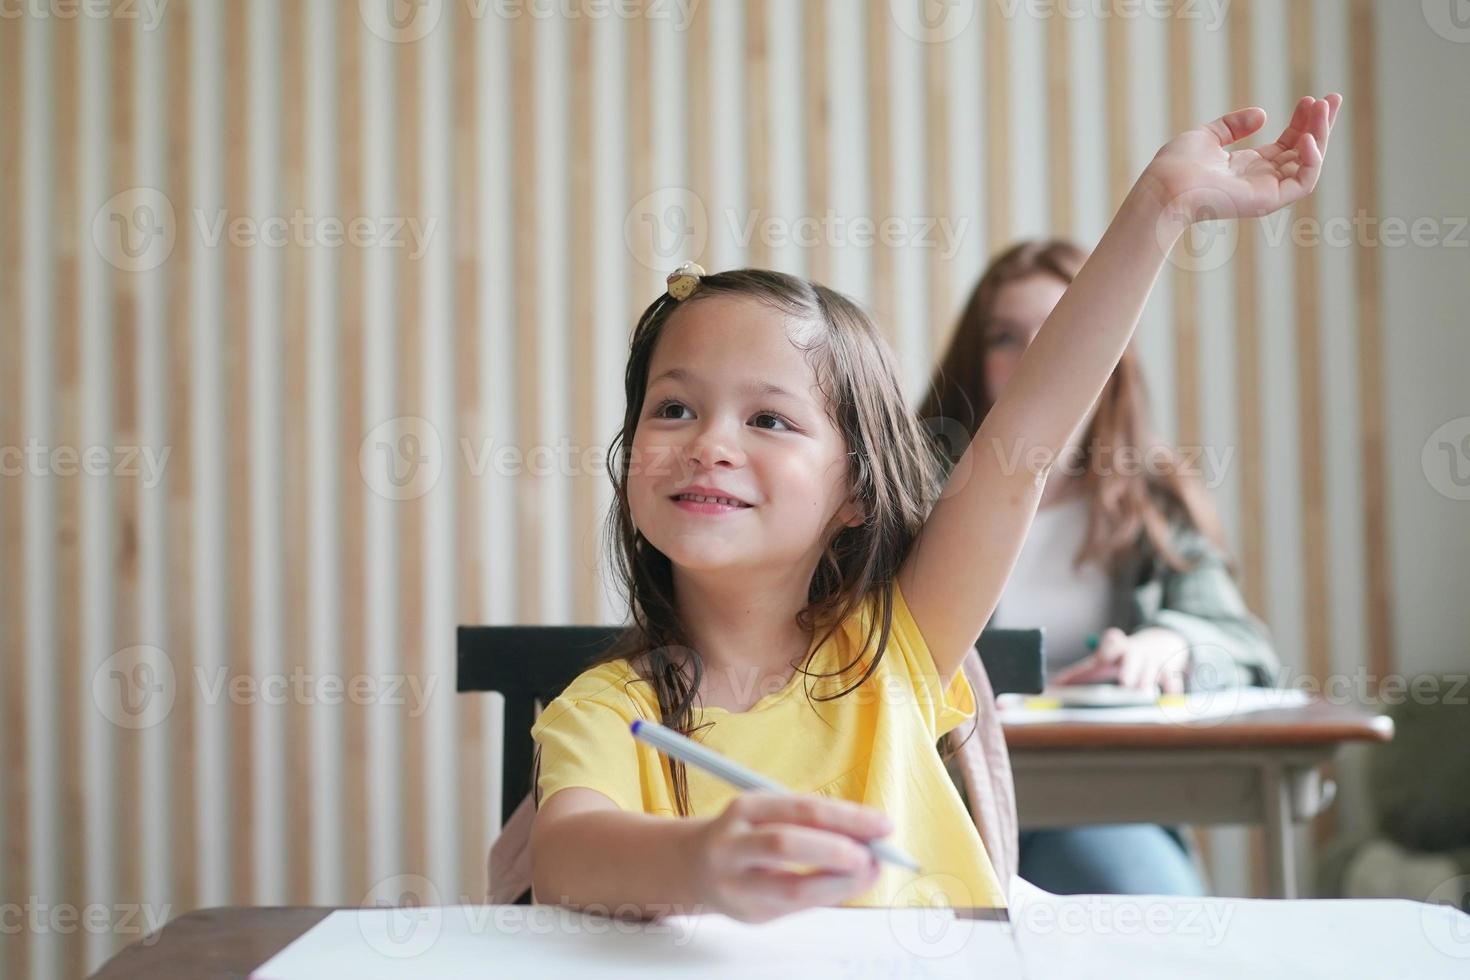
(1046, 589)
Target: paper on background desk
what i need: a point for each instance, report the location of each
(1178, 709)
(457, 942)
(1143, 937)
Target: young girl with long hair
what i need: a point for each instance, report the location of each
(781, 528)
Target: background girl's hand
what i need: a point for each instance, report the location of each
(1150, 658)
(1198, 179)
(745, 858)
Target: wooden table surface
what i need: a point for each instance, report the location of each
(220, 942)
(1314, 724)
(227, 943)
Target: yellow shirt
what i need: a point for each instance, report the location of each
(875, 745)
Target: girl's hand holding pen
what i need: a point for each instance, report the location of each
(743, 859)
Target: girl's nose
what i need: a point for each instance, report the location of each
(715, 445)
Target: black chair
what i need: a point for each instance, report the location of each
(530, 665)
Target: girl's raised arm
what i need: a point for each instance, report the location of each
(959, 564)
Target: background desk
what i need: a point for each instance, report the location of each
(227, 943)
(1262, 767)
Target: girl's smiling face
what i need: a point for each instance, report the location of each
(734, 409)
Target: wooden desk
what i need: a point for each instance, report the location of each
(227, 943)
(1261, 767)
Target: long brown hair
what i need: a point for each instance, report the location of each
(892, 465)
(1122, 506)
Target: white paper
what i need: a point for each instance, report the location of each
(1198, 707)
(456, 942)
(1144, 937)
(1055, 937)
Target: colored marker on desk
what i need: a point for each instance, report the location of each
(690, 752)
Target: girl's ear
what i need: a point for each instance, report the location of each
(851, 513)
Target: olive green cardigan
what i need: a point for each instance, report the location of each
(1228, 647)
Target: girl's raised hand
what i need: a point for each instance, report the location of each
(746, 858)
(1198, 179)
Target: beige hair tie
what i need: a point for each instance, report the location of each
(684, 280)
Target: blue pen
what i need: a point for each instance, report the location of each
(688, 751)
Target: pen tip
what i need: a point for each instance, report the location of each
(634, 727)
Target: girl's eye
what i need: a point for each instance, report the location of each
(1003, 339)
(677, 411)
(661, 411)
(770, 420)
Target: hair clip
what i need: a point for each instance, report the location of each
(683, 280)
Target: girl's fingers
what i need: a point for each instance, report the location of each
(837, 816)
(1088, 671)
(1070, 674)
(1112, 645)
(1080, 672)
(1321, 123)
(1334, 102)
(1300, 120)
(1311, 164)
(777, 845)
(781, 892)
(1128, 671)
(1237, 125)
(1135, 673)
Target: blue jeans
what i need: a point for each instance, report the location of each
(1109, 859)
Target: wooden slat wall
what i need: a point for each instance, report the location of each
(1372, 414)
(65, 495)
(880, 163)
(408, 198)
(354, 848)
(1310, 427)
(268, 547)
(469, 570)
(178, 583)
(14, 867)
(1186, 321)
(1059, 119)
(1252, 535)
(815, 127)
(937, 182)
(997, 128)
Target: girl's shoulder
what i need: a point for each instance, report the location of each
(614, 684)
(856, 638)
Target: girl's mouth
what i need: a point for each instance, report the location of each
(699, 503)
